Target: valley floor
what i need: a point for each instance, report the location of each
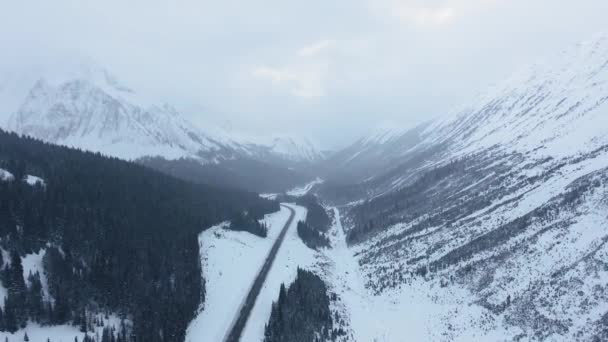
(417, 311)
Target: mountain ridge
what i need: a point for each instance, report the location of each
(89, 108)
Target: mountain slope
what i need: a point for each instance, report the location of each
(505, 201)
(117, 237)
(80, 113)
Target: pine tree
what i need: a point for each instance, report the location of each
(26, 338)
(35, 305)
(10, 320)
(2, 320)
(83, 321)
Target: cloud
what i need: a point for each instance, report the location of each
(316, 48)
(430, 12)
(305, 81)
(424, 16)
(305, 74)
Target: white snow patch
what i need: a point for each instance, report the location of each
(6, 176)
(269, 196)
(32, 263)
(303, 190)
(58, 333)
(33, 180)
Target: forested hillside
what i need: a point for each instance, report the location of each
(118, 237)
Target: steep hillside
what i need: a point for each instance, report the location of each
(506, 199)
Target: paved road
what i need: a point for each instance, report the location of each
(234, 334)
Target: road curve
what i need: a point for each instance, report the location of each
(236, 329)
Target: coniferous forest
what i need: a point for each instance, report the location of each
(313, 230)
(248, 222)
(316, 215)
(302, 312)
(312, 237)
(118, 237)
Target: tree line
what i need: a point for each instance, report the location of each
(118, 237)
(302, 312)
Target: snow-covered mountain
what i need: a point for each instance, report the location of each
(89, 108)
(293, 149)
(496, 213)
(79, 113)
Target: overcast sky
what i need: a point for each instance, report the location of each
(329, 69)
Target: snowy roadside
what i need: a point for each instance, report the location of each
(293, 254)
(230, 262)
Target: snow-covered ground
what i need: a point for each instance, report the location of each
(303, 190)
(33, 180)
(230, 262)
(5, 175)
(32, 263)
(296, 191)
(29, 179)
(293, 254)
(269, 196)
(58, 333)
(418, 311)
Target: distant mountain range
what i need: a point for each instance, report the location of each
(89, 108)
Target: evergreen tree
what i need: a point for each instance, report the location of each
(113, 232)
(35, 305)
(301, 313)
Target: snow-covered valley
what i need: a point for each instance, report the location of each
(124, 218)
